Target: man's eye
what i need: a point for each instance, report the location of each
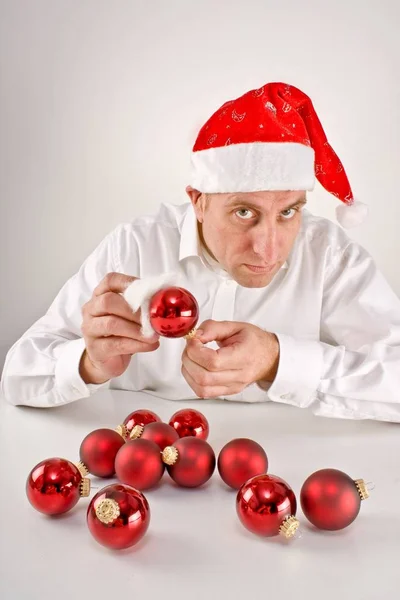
(289, 213)
(244, 216)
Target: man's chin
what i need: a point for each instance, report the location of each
(253, 280)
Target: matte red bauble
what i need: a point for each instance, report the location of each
(266, 505)
(189, 422)
(55, 485)
(160, 433)
(138, 464)
(140, 417)
(173, 312)
(118, 516)
(241, 459)
(331, 500)
(98, 451)
(190, 461)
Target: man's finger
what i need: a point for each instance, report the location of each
(205, 377)
(113, 282)
(112, 304)
(118, 346)
(229, 357)
(211, 330)
(209, 392)
(112, 325)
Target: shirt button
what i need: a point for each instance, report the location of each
(286, 396)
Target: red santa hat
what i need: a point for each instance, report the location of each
(270, 139)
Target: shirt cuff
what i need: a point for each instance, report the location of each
(299, 371)
(68, 380)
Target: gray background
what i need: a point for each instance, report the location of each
(100, 103)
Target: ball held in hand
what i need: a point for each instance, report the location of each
(173, 312)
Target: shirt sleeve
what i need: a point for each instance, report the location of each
(353, 371)
(42, 368)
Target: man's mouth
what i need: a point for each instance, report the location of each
(259, 269)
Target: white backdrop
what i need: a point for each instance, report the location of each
(101, 102)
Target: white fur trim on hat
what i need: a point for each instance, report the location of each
(351, 215)
(253, 167)
(139, 293)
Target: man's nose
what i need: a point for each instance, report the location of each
(265, 243)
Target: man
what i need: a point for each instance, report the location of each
(291, 309)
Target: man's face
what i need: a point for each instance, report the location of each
(250, 234)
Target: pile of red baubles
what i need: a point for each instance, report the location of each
(142, 448)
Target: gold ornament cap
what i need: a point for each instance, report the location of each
(362, 488)
(170, 455)
(84, 487)
(82, 468)
(289, 527)
(122, 430)
(136, 432)
(107, 511)
(191, 334)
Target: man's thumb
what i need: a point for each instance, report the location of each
(210, 330)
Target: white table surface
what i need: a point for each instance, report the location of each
(195, 546)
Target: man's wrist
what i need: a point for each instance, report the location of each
(88, 372)
(272, 352)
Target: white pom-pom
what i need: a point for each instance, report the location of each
(139, 293)
(353, 215)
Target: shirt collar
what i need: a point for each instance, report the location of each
(190, 243)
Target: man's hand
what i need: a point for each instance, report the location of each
(111, 331)
(246, 354)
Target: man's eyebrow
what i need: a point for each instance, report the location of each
(300, 202)
(238, 202)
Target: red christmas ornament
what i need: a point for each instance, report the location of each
(160, 433)
(190, 422)
(266, 505)
(137, 417)
(118, 516)
(190, 461)
(55, 485)
(331, 500)
(138, 464)
(98, 451)
(173, 312)
(241, 459)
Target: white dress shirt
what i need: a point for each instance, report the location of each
(336, 318)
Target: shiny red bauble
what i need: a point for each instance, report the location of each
(55, 485)
(118, 516)
(190, 422)
(160, 433)
(190, 461)
(139, 464)
(330, 499)
(173, 312)
(140, 417)
(264, 504)
(241, 459)
(98, 451)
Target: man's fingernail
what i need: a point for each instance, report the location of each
(199, 332)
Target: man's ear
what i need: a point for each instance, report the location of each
(198, 200)
(193, 194)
